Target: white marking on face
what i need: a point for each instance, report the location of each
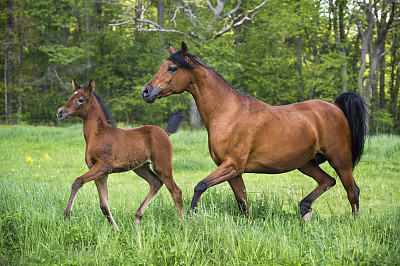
(76, 92)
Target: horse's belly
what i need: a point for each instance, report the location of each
(279, 161)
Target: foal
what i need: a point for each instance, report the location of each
(110, 149)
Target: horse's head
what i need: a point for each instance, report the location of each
(173, 77)
(77, 105)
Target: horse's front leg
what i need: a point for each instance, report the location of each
(226, 171)
(239, 190)
(96, 171)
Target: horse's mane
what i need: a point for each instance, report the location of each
(190, 61)
(106, 110)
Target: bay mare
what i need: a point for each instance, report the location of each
(110, 149)
(246, 135)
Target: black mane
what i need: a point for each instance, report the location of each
(106, 111)
(181, 60)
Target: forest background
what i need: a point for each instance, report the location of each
(279, 51)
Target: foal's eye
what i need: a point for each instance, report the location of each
(81, 100)
(172, 68)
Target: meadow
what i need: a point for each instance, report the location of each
(39, 165)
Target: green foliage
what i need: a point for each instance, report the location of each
(286, 54)
(35, 191)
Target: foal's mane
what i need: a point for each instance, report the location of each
(104, 108)
(190, 61)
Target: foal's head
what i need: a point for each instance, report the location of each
(79, 102)
(173, 77)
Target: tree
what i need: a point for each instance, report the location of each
(375, 14)
(9, 67)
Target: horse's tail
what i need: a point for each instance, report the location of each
(174, 122)
(356, 113)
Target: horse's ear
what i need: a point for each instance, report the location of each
(90, 87)
(75, 85)
(171, 49)
(184, 49)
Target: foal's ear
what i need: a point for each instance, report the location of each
(90, 87)
(75, 85)
(171, 49)
(184, 49)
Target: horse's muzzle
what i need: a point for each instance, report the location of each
(149, 94)
(62, 113)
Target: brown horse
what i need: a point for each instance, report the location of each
(246, 135)
(110, 149)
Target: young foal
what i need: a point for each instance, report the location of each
(110, 149)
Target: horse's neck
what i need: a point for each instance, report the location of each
(214, 97)
(95, 121)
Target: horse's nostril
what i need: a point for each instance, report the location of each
(60, 112)
(146, 91)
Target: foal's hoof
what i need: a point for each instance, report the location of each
(67, 215)
(307, 217)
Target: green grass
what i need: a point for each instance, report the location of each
(33, 197)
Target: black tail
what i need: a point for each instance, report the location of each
(356, 113)
(174, 122)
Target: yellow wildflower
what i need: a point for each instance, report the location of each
(29, 160)
(47, 157)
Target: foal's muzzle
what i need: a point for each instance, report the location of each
(62, 113)
(149, 94)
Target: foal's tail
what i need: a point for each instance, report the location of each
(174, 122)
(356, 113)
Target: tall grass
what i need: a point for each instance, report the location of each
(34, 191)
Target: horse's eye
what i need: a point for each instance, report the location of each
(81, 100)
(172, 68)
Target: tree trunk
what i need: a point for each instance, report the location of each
(300, 66)
(394, 83)
(161, 23)
(195, 119)
(87, 33)
(20, 55)
(382, 66)
(8, 77)
(340, 48)
(366, 37)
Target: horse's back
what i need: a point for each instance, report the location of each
(140, 145)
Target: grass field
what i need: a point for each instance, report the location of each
(39, 164)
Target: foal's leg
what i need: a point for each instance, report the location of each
(226, 171)
(102, 188)
(96, 171)
(324, 181)
(155, 184)
(164, 173)
(239, 190)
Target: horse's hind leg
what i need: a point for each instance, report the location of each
(353, 192)
(324, 181)
(102, 188)
(164, 173)
(239, 190)
(155, 184)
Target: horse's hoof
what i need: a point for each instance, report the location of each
(191, 211)
(307, 217)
